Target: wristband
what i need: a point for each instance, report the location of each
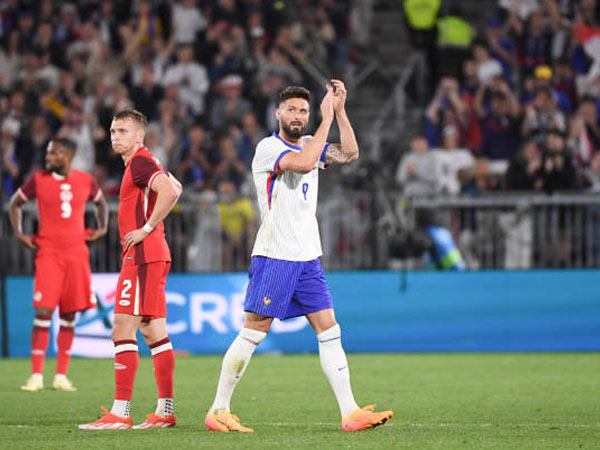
(147, 228)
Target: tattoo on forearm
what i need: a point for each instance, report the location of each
(335, 155)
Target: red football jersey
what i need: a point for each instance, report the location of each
(61, 206)
(136, 203)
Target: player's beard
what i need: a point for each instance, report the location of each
(294, 134)
(59, 169)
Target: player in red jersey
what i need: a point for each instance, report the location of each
(62, 261)
(148, 193)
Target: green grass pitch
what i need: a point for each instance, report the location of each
(440, 401)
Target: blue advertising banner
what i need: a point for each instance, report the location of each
(378, 311)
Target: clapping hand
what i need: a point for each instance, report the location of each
(327, 104)
(339, 96)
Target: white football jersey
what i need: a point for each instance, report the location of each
(287, 203)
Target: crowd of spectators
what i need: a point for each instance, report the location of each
(205, 72)
(523, 114)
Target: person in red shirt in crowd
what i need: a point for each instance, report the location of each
(62, 260)
(148, 193)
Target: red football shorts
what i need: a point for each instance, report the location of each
(141, 290)
(63, 278)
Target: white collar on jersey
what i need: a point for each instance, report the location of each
(58, 176)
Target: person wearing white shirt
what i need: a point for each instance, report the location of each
(188, 21)
(191, 77)
(451, 162)
(285, 276)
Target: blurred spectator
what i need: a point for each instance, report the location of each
(229, 167)
(500, 123)
(107, 23)
(153, 143)
(102, 63)
(266, 103)
(557, 170)
(543, 80)
(278, 64)
(146, 23)
(521, 9)
(541, 116)
(26, 30)
(585, 132)
(229, 59)
(10, 59)
(452, 164)
(68, 28)
(251, 135)
(46, 71)
(488, 68)
(195, 170)
(523, 174)
(501, 48)
(564, 82)
(470, 81)
(30, 149)
(292, 40)
(188, 21)
(230, 106)
(77, 128)
(455, 36)
(192, 79)
(120, 98)
(446, 108)
(416, 172)
(44, 43)
(170, 130)
(593, 177)
(334, 30)
(145, 94)
(238, 225)
(535, 39)
(225, 11)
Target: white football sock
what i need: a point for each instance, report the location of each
(121, 408)
(164, 407)
(335, 366)
(234, 365)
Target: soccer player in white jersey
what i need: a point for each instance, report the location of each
(285, 276)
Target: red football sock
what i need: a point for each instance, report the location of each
(39, 343)
(126, 364)
(66, 333)
(164, 367)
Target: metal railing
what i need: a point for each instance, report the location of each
(359, 229)
(520, 231)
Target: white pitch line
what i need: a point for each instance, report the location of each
(430, 425)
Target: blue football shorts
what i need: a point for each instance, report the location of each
(286, 289)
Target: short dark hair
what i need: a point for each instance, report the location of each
(132, 114)
(587, 99)
(293, 92)
(67, 144)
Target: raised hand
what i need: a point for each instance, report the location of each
(339, 96)
(327, 104)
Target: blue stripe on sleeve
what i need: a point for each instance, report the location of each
(281, 155)
(322, 158)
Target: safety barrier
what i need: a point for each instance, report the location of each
(363, 230)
